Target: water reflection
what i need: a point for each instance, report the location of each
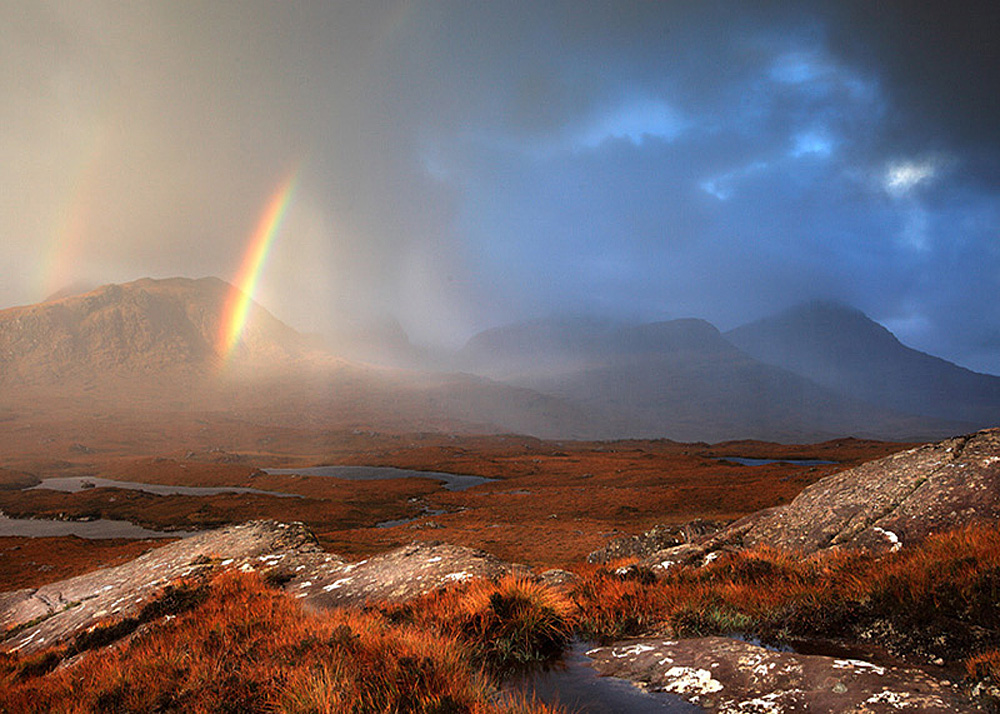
(575, 685)
(75, 484)
(96, 529)
(452, 482)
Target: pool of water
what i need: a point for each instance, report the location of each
(75, 484)
(98, 528)
(404, 521)
(452, 482)
(761, 462)
(575, 685)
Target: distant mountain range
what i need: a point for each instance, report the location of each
(685, 380)
(841, 348)
(816, 372)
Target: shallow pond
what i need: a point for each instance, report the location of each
(75, 484)
(98, 528)
(452, 482)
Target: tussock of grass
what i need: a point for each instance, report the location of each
(249, 648)
(506, 626)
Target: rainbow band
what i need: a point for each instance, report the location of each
(237, 308)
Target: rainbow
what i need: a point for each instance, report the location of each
(237, 308)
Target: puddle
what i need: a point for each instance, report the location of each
(576, 686)
(761, 462)
(753, 640)
(95, 529)
(452, 482)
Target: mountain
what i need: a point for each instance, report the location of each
(843, 349)
(154, 346)
(680, 379)
(533, 346)
(144, 327)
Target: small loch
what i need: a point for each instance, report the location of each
(95, 529)
(75, 484)
(761, 462)
(452, 482)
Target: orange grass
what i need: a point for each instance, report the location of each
(506, 625)
(248, 648)
(937, 599)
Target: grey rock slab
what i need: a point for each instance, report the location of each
(36, 618)
(731, 676)
(658, 538)
(398, 575)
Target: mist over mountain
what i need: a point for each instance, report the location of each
(155, 345)
(843, 349)
(158, 344)
(684, 380)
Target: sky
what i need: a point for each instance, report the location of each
(459, 165)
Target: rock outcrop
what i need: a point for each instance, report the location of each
(284, 552)
(654, 540)
(725, 675)
(881, 505)
(395, 576)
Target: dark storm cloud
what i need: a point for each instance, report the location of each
(940, 64)
(463, 164)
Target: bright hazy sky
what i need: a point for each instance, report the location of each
(464, 164)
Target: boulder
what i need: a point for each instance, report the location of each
(725, 675)
(36, 618)
(395, 576)
(894, 501)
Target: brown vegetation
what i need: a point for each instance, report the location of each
(553, 503)
(246, 647)
(237, 644)
(935, 601)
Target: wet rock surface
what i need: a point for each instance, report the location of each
(725, 675)
(284, 552)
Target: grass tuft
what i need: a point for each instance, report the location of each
(506, 625)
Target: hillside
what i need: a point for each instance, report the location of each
(141, 328)
(681, 379)
(843, 349)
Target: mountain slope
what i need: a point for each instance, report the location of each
(841, 348)
(153, 346)
(143, 327)
(683, 380)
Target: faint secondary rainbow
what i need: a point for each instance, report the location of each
(237, 308)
